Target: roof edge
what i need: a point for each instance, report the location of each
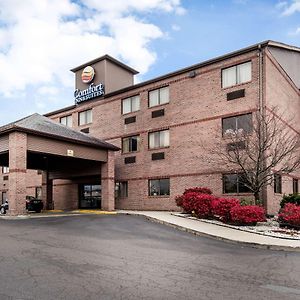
(104, 57)
(60, 138)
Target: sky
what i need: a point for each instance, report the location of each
(41, 40)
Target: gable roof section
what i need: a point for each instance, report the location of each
(39, 125)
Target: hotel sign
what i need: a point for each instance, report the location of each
(92, 91)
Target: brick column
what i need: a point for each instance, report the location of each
(17, 173)
(47, 191)
(108, 182)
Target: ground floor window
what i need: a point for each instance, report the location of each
(4, 197)
(159, 187)
(277, 184)
(295, 186)
(121, 189)
(234, 183)
(90, 196)
(38, 192)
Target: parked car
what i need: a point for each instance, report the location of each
(4, 208)
(32, 204)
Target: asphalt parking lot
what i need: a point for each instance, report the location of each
(129, 257)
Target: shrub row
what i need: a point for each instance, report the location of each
(201, 203)
(290, 215)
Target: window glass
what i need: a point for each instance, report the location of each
(237, 124)
(244, 72)
(126, 106)
(5, 170)
(230, 183)
(229, 77)
(38, 192)
(130, 144)
(159, 187)
(135, 103)
(237, 74)
(4, 197)
(244, 122)
(164, 95)
(159, 139)
(277, 183)
(67, 121)
(153, 98)
(85, 117)
(295, 186)
(121, 189)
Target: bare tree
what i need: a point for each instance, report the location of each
(264, 144)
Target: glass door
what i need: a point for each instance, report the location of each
(90, 196)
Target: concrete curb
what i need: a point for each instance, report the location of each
(199, 233)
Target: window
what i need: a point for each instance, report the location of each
(5, 170)
(4, 197)
(121, 189)
(159, 96)
(130, 104)
(159, 187)
(130, 144)
(237, 124)
(159, 139)
(234, 183)
(277, 183)
(38, 192)
(67, 120)
(236, 74)
(85, 117)
(295, 186)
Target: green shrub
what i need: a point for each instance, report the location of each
(291, 198)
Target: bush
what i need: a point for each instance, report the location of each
(290, 214)
(247, 215)
(221, 208)
(198, 190)
(179, 200)
(203, 206)
(188, 202)
(291, 198)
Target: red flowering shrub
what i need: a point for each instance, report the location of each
(247, 215)
(198, 190)
(290, 214)
(221, 208)
(188, 202)
(202, 205)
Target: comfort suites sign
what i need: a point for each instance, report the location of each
(92, 91)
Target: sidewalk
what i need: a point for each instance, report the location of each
(219, 232)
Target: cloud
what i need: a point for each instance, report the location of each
(289, 8)
(40, 40)
(296, 32)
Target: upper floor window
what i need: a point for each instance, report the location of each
(277, 183)
(5, 170)
(159, 139)
(234, 183)
(237, 124)
(159, 96)
(130, 144)
(130, 104)
(237, 74)
(85, 117)
(67, 120)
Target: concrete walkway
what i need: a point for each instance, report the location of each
(216, 231)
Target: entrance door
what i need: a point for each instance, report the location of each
(90, 196)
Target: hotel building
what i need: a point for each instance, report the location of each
(153, 136)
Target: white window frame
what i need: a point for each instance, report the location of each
(158, 93)
(236, 72)
(87, 120)
(131, 101)
(163, 142)
(66, 120)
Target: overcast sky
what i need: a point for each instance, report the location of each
(41, 40)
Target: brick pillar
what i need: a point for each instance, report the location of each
(47, 191)
(108, 182)
(17, 173)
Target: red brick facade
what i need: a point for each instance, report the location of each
(194, 118)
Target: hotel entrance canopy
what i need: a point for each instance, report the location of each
(38, 143)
